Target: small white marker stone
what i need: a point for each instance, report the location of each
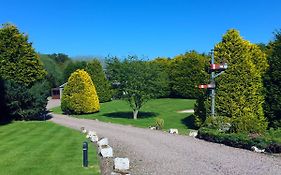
(121, 164)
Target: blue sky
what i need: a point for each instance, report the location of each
(147, 28)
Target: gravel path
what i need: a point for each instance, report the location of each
(159, 153)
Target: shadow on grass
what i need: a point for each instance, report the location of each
(5, 121)
(189, 122)
(129, 115)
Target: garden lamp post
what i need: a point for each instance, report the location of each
(220, 68)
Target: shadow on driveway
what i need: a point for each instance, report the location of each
(129, 115)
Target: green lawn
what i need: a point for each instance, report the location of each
(43, 148)
(118, 111)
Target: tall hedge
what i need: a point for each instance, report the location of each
(79, 95)
(186, 72)
(239, 91)
(97, 74)
(273, 83)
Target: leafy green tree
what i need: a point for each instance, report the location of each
(98, 76)
(240, 88)
(187, 72)
(79, 95)
(164, 65)
(55, 73)
(60, 58)
(72, 67)
(19, 61)
(273, 83)
(138, 81)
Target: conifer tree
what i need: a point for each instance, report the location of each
(239, 91)
(273, 83)
(79, 95)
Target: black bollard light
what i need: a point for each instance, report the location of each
(85, 154)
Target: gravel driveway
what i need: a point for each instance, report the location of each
(159, 153)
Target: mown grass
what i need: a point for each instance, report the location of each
(118, 111)
(43, 148)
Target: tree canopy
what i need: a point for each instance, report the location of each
(137, 81)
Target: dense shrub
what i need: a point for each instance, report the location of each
(268, 141)
(24, 103)
(159, 123)
(79, 95)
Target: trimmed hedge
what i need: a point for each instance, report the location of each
(270, 141)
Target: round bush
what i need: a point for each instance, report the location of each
(79, 95)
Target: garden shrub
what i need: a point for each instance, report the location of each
(26, 103)
(219, 122)
(159, 123)
(79, 95)
(265, 141)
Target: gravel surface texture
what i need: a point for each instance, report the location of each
(159, 153)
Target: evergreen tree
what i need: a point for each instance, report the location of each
(79, 95)
(19, 61)
(22, 96)
(97, 74)
(273, 83)
(239, 91)
(240, 88)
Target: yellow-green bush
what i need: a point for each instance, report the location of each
(79, 95)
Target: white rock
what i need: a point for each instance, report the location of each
(193, 133)
(173, 131)
(121, 164)
(106, 151)
(152, 127)
(90, 134)
(94, 138)
(257, 150)
(103, 141)
(83, 130)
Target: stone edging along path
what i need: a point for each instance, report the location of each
(156, 152)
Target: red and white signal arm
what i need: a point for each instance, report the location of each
(206, 86)
(218, 66)
(202, 86)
